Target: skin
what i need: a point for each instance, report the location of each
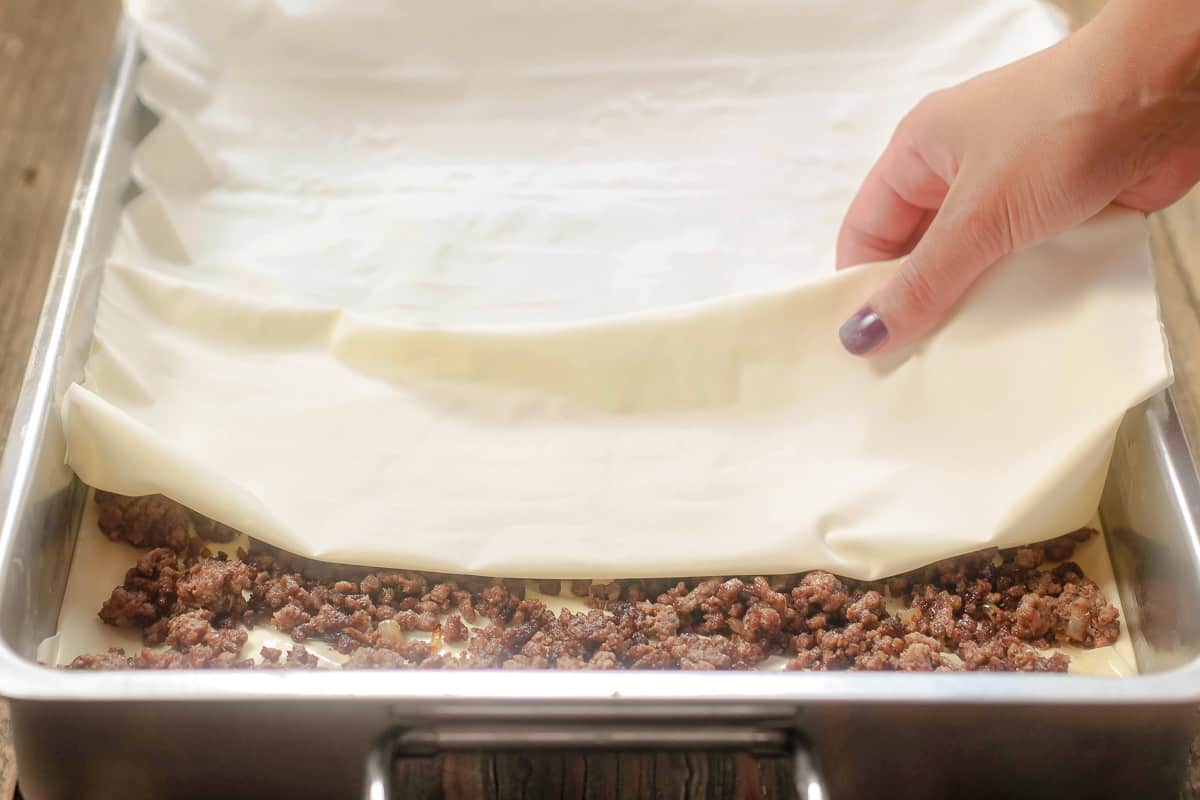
(1022, 153)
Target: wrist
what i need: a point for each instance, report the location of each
(1148, 50)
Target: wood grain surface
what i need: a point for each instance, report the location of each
(52, 59)
(594, 775)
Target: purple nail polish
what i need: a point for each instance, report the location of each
(863, 332)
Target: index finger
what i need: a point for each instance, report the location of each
(892, 208)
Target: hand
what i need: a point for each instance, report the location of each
(1109, 115)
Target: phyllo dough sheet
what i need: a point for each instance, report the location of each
(544, 289)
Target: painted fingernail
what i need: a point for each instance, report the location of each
(863, 332)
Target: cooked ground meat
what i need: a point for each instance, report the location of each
(297, 658)
(455, 630)
(115, 658)
(147, 594)
(151, 521)
(214, 585)
(155, 521)
(992, 610)
(210, 530)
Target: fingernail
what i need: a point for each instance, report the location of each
(863, 332)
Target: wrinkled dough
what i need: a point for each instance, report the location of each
(731, 436)
(550, 294)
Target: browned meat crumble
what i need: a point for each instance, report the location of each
(992, 610)
(155, 521)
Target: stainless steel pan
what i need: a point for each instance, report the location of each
(330, 734)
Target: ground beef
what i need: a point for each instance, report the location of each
(201, 656)
(210, 530)
(300, 658)
(128, 609)
(1083, 616)
(376, 658)
(115, 658)
(151, 521)
(455, 630)
(214, 585)
(991, 610)
(192, 628)
(148, 593)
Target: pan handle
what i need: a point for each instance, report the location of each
(810, 785)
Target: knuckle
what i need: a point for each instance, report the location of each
(929, 109)
(927, 133)
(919, 292)
(988, 227)
(929, 104)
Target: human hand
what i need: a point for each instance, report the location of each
(1109, 115)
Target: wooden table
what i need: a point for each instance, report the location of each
(52, 58)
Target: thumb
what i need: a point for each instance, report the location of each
(967, 236)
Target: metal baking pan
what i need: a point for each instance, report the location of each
(331, 734)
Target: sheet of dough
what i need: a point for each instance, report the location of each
(99, 564)
(544, 288)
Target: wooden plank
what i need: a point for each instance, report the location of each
(593, 775)
(52, 59)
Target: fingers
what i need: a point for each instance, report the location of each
(894, 206)
(966, 237)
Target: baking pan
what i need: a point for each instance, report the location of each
(332, 734)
